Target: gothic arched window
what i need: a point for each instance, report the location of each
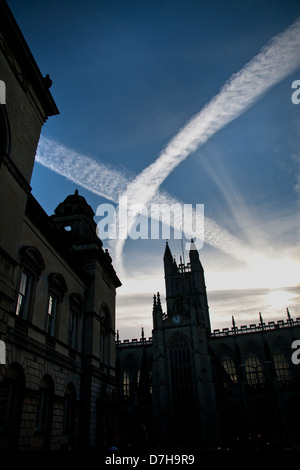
(131, 375)
(181, 383)
(282, 362)
(227, 360)
(230, 368)
(180, 364)
(254, 366)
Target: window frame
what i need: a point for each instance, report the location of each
(53, 304)
(4, 132)
(32, 265)
(76, 309)
(131, 371)
(24, 295)
(104, 336)
(57, 290)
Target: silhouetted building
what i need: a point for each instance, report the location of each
(57, 284)
(190, 385)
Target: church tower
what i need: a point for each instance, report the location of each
(184, 395)
(185, 287)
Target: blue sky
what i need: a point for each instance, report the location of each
(127, 77)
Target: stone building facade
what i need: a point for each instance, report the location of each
(57, 284)
(190, 385)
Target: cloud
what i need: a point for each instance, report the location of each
(272, 304)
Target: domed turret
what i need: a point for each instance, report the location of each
(76, 216)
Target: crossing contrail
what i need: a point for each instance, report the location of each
(111, 183)
(279, 58)
(276, 60)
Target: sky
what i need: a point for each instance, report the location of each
(178, 102)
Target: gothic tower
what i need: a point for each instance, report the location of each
(184, 395)
(185, 286)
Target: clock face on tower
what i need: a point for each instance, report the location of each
(176, 319)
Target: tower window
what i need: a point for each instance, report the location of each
(181, 384)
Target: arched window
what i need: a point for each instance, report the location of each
(131, 375)
(32, 265)
(254, 368)
(45, 410)
(230, 367)
(11, 403)
(105, 335)
(180, 364)
(226, 357)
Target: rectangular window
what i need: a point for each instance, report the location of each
(73, 329)
(52, 313)
(24, 294)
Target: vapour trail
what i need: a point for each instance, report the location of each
(275, 61)
(111, 184)
(279, 58)
(81, 169)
